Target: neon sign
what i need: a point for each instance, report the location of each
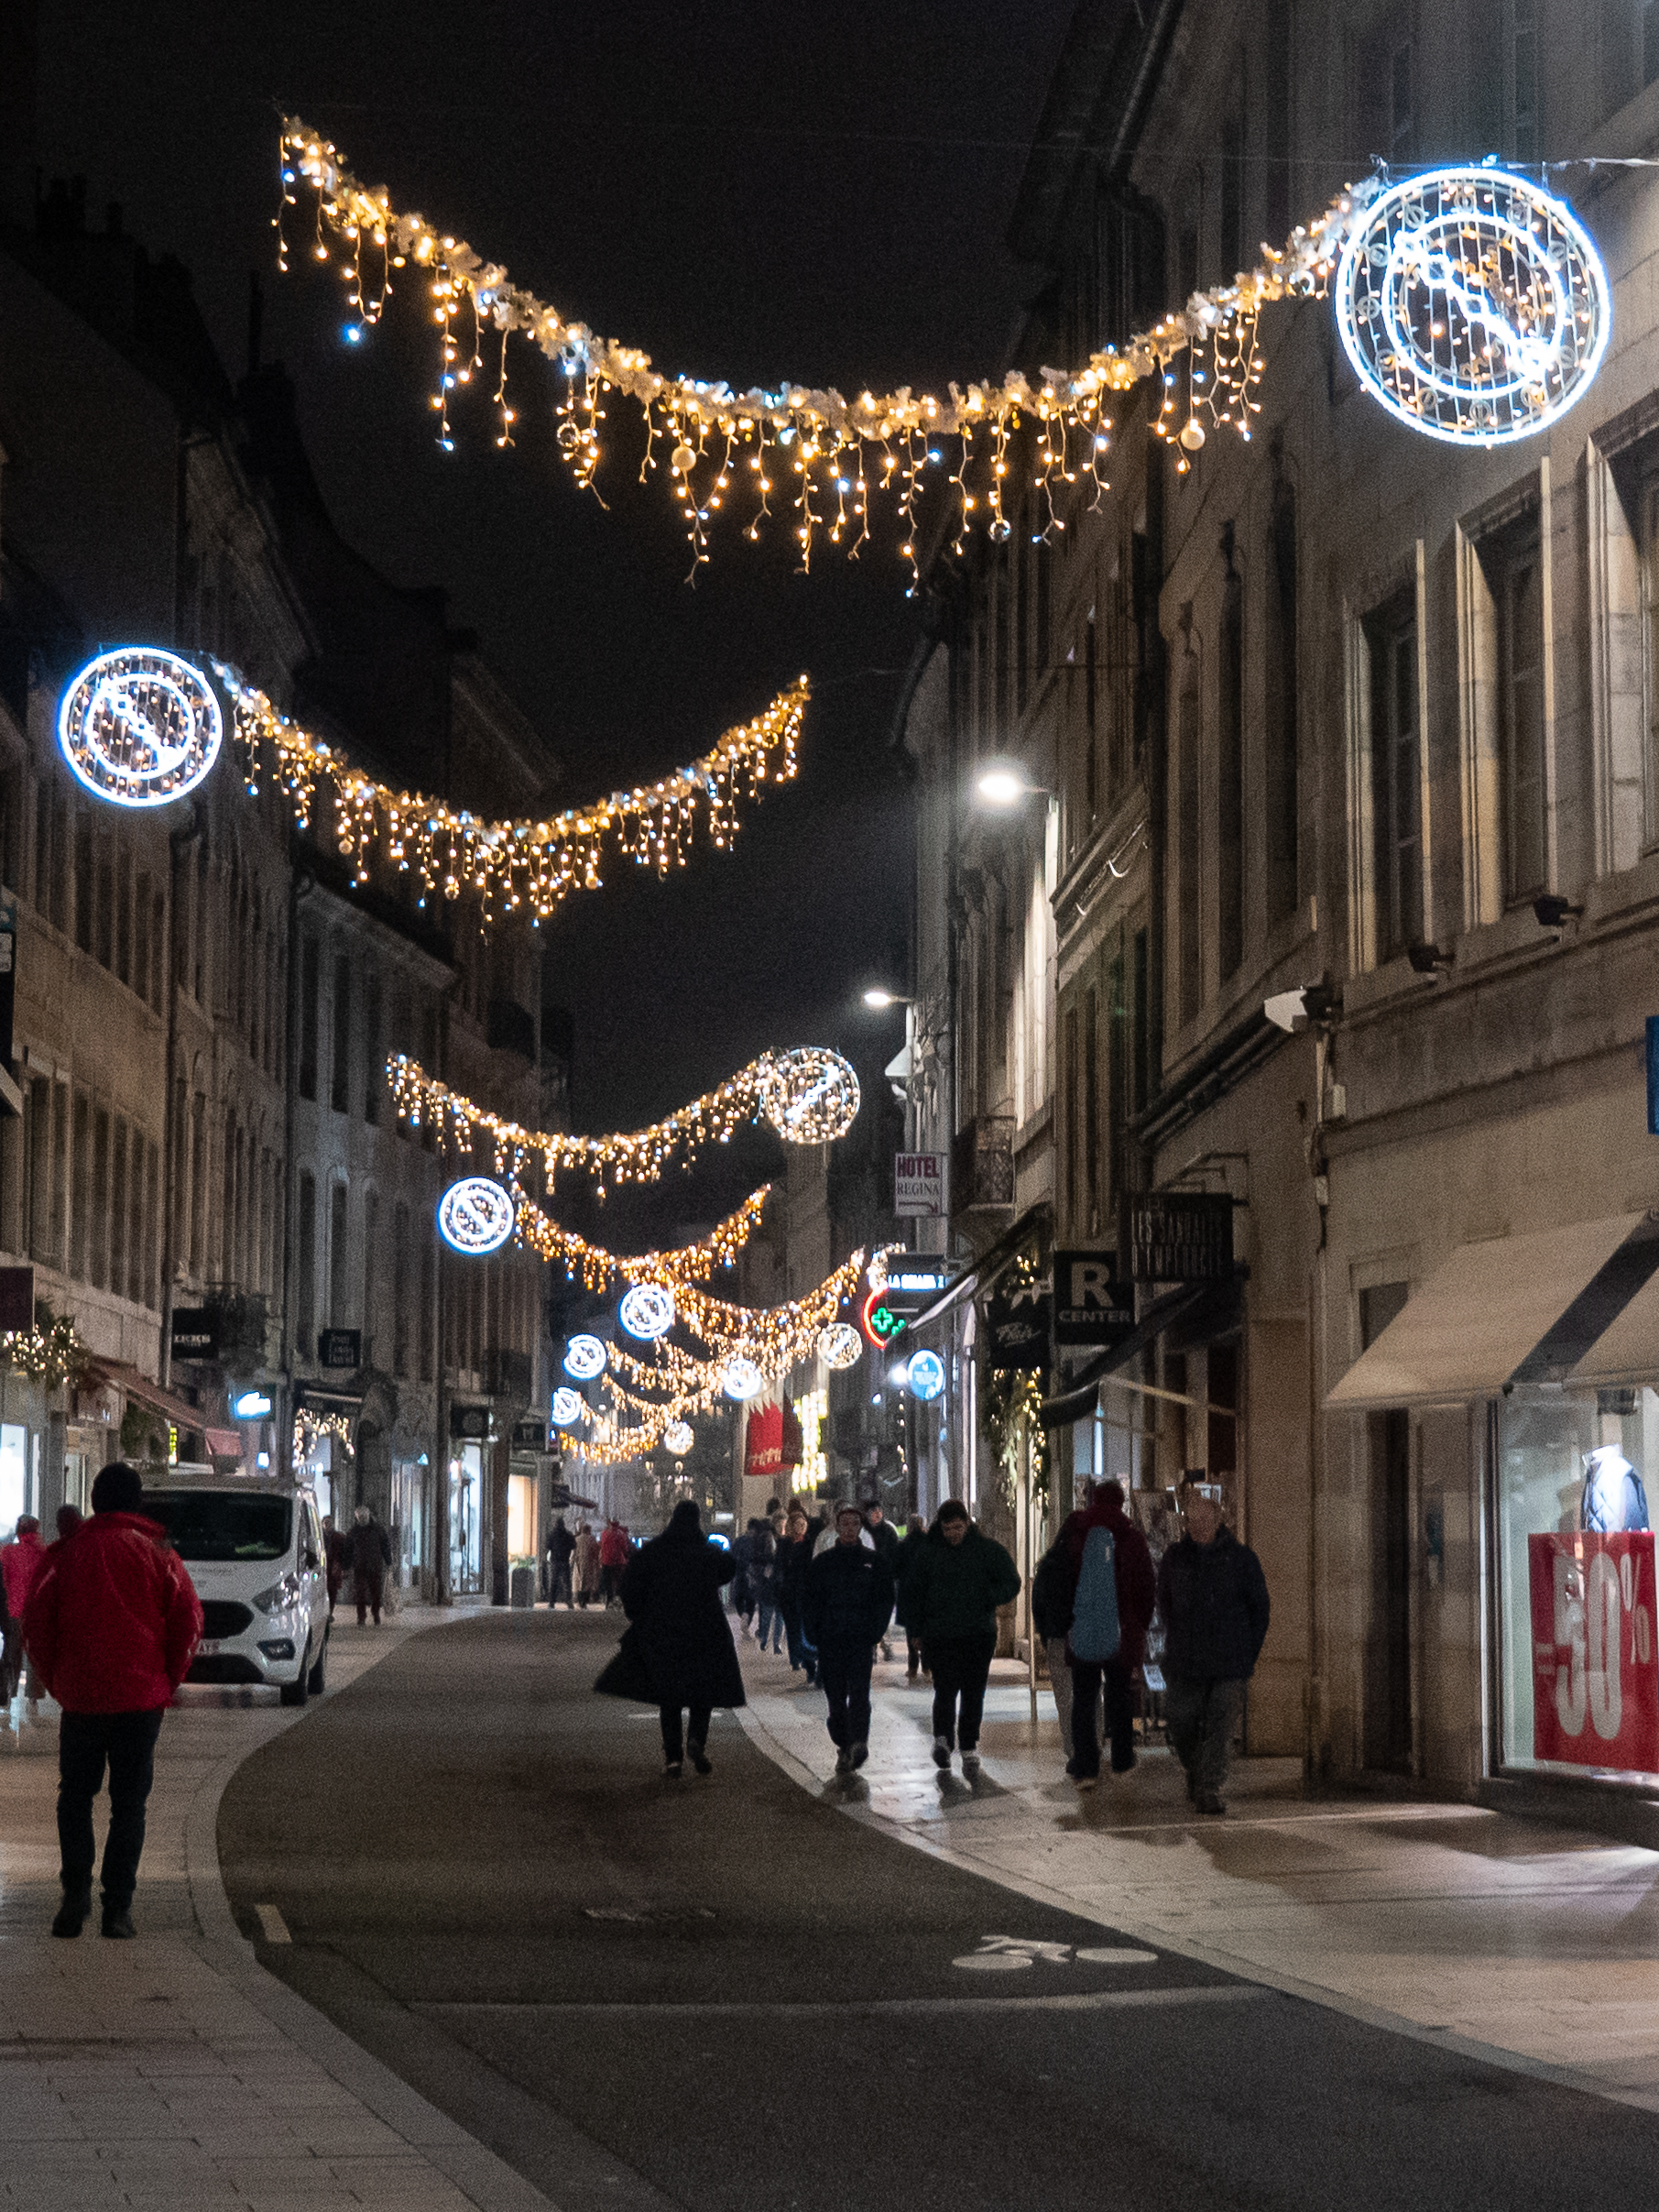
(475, 1216)
(881, 1324)
(1473, 305)
(140, 727)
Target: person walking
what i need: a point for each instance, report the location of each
(112, 1625)
(614, 1552)
(20, 1564)
(885, 1538)
(849, 1601)
(743, 1595)
(959, 1579)
(1112, 1592)
(335, 1550)
(677, 1652)
(1212, 1597)
(763, 1582)
(588, 1570)
(1052, 1621)
(794, 1557)
(561, 1552)
(370, 1549)
(70, 1519)
(904, 1560)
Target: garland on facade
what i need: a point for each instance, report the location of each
(598, 1268)
(825, 456)
(51, 1351)
(310, 1428)
(517, 865)
(809, 1096)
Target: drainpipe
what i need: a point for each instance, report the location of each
(301, 886)
(178, 842)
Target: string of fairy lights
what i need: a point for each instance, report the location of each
(809, 1095)
(598, 1269)
(826, 457)
(521, 866)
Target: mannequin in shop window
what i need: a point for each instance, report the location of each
(1613, 1501)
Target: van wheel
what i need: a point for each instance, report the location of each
(295, 1692)
(314, 1680)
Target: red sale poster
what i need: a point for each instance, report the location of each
(1594, 1672)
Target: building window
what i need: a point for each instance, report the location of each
(401, 1289)
(1396, 776)
(337, 1255)
(1230, 778)
(310, 968)
(198, 1200)
(152, 1217)
(1233, 199)
(1091, 1109)
(340, 1087)
(1073, 1116)
(1140, 1053)
(117, 1211)
(1281, 794)
(306, 1267)
(98, 1269)
(1514, 571)
(370, 1307)
(374, 1079)
(1188, 841)
(81, 1210)
(1116, 1076)
(39, 1155)
(83, 880)
(423, 1319)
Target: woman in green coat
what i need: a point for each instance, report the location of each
(951, 1597)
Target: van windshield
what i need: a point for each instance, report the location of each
(222, 1524)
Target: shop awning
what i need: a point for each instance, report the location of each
(1193, 1314)
(985, 1271)
(121, 1375)
(1574, 1303)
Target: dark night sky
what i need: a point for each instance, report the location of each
(750, 193)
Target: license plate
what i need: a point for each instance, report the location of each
(208, 1647)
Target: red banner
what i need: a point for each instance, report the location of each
(763, 1445)
(1595, 1676)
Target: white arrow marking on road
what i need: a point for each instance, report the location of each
(273, 1924)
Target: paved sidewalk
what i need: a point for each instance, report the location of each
(175, 2072)
(1535, 1945)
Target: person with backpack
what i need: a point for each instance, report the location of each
(1113, 1593)
(1052, 1620)
(1212, 1596)
(951, 1600)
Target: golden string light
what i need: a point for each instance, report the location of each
(809, 1096)
(598, 1268)
(518, 865)
(826, 457)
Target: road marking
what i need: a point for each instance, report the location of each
(275, 1926)
(1116, 1954)
(1007, 1954)
(1088, 2000)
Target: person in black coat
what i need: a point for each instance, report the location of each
(678, 1651)
(561, 1550)
(885, 1538)
(849, 1601)
(793, 1558)
(904, 1560)
(1211, 1595)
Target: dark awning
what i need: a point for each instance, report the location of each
(121, 1375)
(985, 1271)
(1193, 1313)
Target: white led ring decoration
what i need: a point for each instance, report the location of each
(925, 1375)
(740, 1378)
(140, 727)
(840, 1345)
(810, 1095)
(678, 1437)
(569, 1407)
(475, 1216)
(1473, 305)
(584, 1357)
(647, 1310)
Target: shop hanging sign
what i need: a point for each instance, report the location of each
(140, 727)
(1016, 1329)
(1595, 1669)
(1473, 305)
(1178, 1236)
(1091, 1306)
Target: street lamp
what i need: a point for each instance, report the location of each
(880, 998)
(1003, 784)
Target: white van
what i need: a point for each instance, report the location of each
(254, 1554)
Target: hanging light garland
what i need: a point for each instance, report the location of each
(809, 1096)
(598, 1269)
(310, 1428)
(824, 456)
(51, 1351)
(515, 866)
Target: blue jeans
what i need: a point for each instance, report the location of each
(800, 1653)
(771, 1622)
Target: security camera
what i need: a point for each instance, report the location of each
(1291, 1010)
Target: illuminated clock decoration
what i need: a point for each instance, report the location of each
(569, 1407)
(475, 1216)
(925, 1378)
(1473, 304)
(678, 1437)
(740, 1378)
(881, 1324)
(584, 1357)
(839, 1346)
(647, 1310)
(809, 1096)
(140, 727)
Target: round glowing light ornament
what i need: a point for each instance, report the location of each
(647, 1310)
(1473, 304)
(584, 1357)
(140, 727)
(678, 1437)
(569, 1407)
(925, 1378)
(840, 1345)
(475, 1216)
(809, 1096)
(740, 1378)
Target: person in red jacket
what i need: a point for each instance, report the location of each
(614, 1552)
(1137, 1598)
(20, 1564)
(111, 1628)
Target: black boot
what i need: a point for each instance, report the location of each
(118, 1920)
(699, 1757)
(72, 1914)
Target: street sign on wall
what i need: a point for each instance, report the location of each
(1091, 1306)
(340, 1348)
(1178, 1236)
(195, 1333)
(921, 1185)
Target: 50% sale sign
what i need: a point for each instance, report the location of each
(1595, 1675)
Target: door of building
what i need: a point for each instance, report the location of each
(1389, 1739)
(465, 1520)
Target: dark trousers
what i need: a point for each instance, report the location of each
(367, 1588)
(845, 1672)
(698, 1730)
(558, 1581)
(800, 1653)
(1202, 1717)
(127, 1740)
(1087, 1678)
(610, 1582)
(961, 1667)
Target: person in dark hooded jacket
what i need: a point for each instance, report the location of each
(950, 1599)
(1213, 1598)
(678, 1652)
(1136, 1586)
(848, 1603)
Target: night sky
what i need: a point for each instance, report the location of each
(749, 193)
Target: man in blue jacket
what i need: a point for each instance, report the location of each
(1213, 1598)
(847, 1602)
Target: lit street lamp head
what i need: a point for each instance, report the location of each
(880, 998)
(1001, 785)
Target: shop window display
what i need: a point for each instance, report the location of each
(1580, 1657)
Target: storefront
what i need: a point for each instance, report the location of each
(1537, 1357)
(468, 1496)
